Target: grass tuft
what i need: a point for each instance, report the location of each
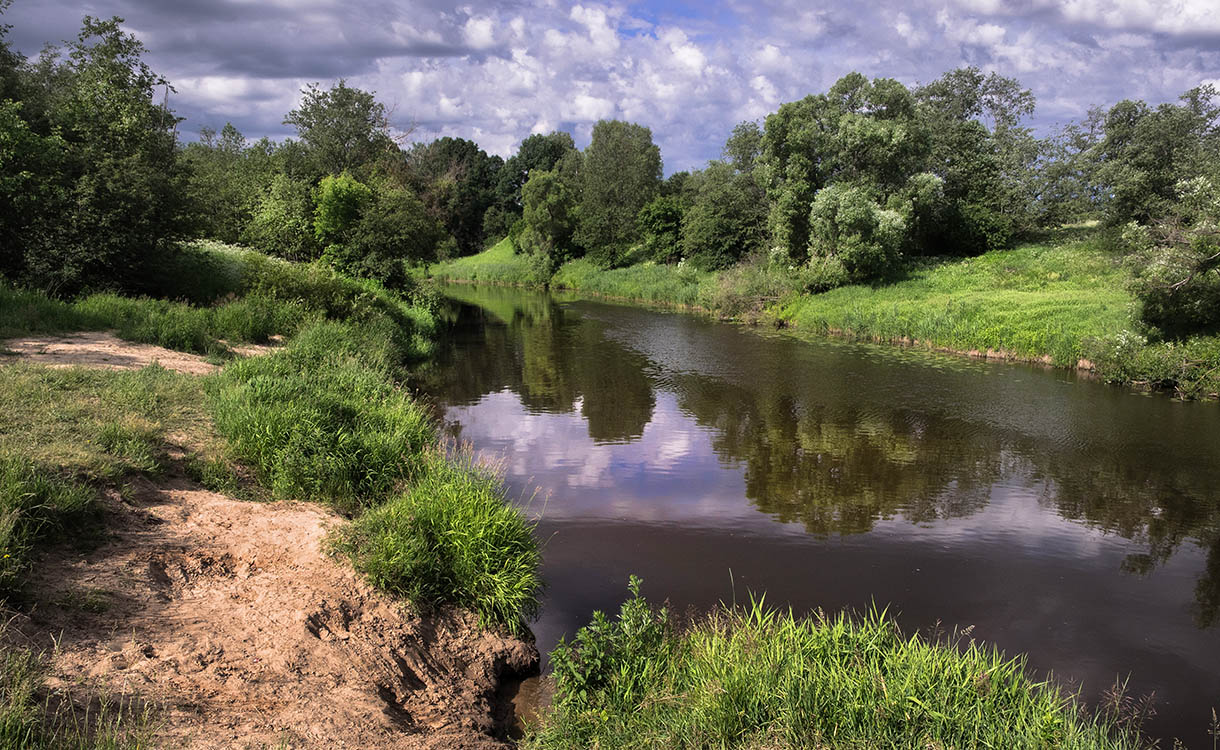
(35, 506)
(452, 538)
(755, 677)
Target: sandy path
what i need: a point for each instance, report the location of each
(107, 351)
(228, 617)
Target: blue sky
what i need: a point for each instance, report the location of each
(496, 72)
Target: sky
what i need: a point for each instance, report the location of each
(496, 72)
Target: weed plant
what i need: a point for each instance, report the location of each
(754, 677)
(451, 538)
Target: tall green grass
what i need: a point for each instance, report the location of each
(211, 296)
(452, 537)
(499, 264)
(322, 420)
(754, 677)
(1029, 302)
(35, 506)
(647, 282)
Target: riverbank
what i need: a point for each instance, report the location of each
(754, 677)
(1063, 302)
(111, 477)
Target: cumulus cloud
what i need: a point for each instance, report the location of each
(496, 72)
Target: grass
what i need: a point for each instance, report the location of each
(499, 264)
(1028, 302)
(33, 717)
(647, 282)
(97, 425)
(322, 420)
(451, 537)
(35, 506)
(754, 677)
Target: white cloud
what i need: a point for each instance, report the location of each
(480, 32)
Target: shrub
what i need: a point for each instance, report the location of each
(451, 539)
(846, 223)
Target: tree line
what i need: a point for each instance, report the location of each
(845, 186)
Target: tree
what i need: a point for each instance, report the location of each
(226, 178)
(987, 159)
(549, 222)
(848, 224)
(392, 232)
(727, 220)
(1145, 153)
(282, 222)
(339, 202)
(537, 152)
(621, 173)
(744, 147)
(660, 225)
(1176, 261)
(113, 197)
(344, 128)
(455, 179)
(864, 132)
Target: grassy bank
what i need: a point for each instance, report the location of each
(499, 264)
(322, 418)
(758, 678)
(1059, 301)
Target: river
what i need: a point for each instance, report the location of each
(1071, 521)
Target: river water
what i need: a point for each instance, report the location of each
(1072, 521)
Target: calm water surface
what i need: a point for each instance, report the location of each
(1074, 522)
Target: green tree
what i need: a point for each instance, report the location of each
(393, 231)
(339, 202)
(344, 128)
(743, 149)
(226, 177)
(537, 152)
(988, 160)
(455, 179)
(660, 225)
(847, 223)
(549, 222)
(1145, 153)
(282, 222)
(1176, 261)
(118, 201)
(727, 220)
(620, 174)
(861, 131)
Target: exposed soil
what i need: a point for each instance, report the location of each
(107, 351)
(231, 621)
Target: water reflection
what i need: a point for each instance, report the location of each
(1074, 521)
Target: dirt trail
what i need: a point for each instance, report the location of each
(107, 351)
(228, 618)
